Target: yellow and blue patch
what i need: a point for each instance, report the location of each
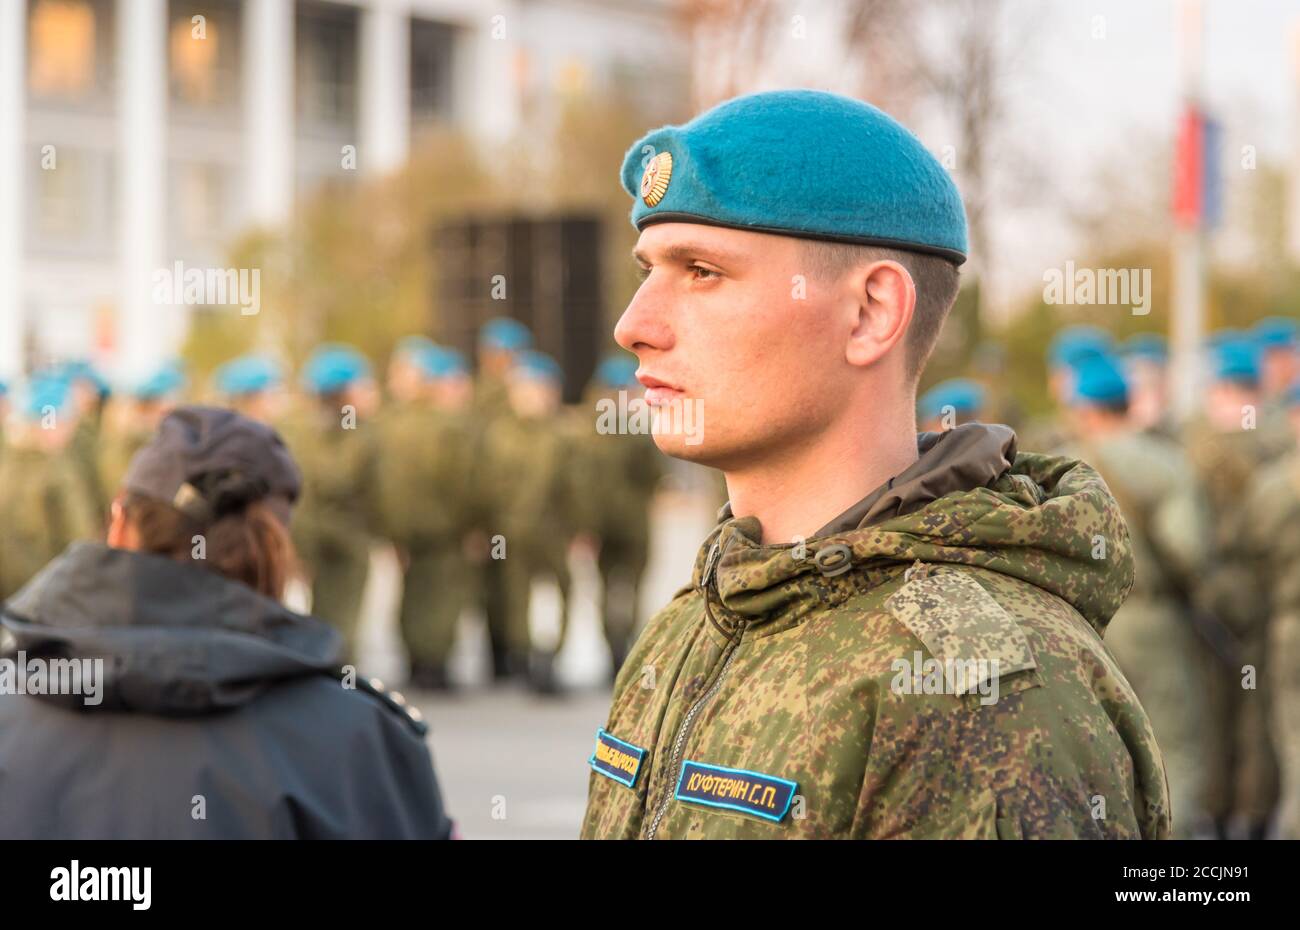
(754, 793)
(616, 759)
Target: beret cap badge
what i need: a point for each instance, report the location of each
(654, 182)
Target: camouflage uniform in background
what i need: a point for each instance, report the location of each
(423, 487)
(44, 506)
(615, 479)
(84, 452)
(333, 521)
(1272, 521)
(775, 696)
(1241, 765)
(531, 461)
(118, 444)
(1151, 635)
(491, 405)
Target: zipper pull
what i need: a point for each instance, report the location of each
(710, 565)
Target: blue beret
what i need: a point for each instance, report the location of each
(333, 367)
(504, 333)
(247, 374)
(962, 394)
(437, 362)
(1237, 359)
(82, 370)
(534, 364)
(1098, 379)
(1075, 342)
(46, 390)
(167, 379)
(1152, 346)
(1275, 332)
(1220, 336)
(800, 163)
(617, 370)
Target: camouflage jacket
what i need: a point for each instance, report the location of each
(937, 671)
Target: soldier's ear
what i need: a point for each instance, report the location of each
(885, 299)
(121, 534)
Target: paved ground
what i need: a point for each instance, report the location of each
(513, 765)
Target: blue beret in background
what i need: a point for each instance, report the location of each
(962, 394)
(247, 374)
(333, 367)
(1098, 379)
(504, 333)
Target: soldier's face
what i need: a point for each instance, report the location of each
(741, 350)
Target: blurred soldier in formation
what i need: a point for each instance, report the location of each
(1272, 525)
(423, 480)
(1151, 635)
(333, 441)
(130, 421)
(1279, 358)
(616, 473)
(530, 455)
(88, 396)
(1146, 370)
(44, 502)
(949, 403)
(499, 341)
(250, 385)
(1228, 446)
(1065, 350)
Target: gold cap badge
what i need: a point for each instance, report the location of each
(655, 180)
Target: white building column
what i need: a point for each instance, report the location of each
(13, 176)
(487, 72)
(145, 329)
(268, 75)
(385, 81)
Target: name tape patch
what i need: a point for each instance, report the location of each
(754, 793)
(619, 760)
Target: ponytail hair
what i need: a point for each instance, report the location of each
(237, 531)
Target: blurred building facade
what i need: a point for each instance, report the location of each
(138, 133)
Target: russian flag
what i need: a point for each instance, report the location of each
(1198, 180)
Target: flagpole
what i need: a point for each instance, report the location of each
(1188, 317)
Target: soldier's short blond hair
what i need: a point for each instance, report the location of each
(936, 279)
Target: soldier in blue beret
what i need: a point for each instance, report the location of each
(249, 385)
(799, 253)
(1145, 357)
(133, 417)
(530, 454)
(406, 382)
(335, 444)
(1278, 339)
(1234, 442)
(45, 504)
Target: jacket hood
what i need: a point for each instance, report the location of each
(970, 499)
(174, 639)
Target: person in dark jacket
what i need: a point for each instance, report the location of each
(191, 703)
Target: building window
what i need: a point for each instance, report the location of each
(204, 53)
(63, 48)
(326, 65)
(63, 197)
(432, 47)
(198, 201)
